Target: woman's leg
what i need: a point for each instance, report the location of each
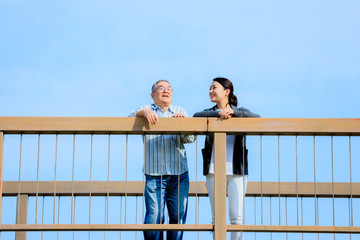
(236, 186)
(210, 188)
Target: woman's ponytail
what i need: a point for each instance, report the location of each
(233, 99)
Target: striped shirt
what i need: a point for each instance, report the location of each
(165, 154)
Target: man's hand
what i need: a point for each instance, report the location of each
(179, 115)
(227, 113)
(149, 115)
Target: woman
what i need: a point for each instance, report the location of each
(222, 93)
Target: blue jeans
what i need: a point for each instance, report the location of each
(157, 194)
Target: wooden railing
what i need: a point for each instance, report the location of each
(199, 126)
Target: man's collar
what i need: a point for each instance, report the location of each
(170, 108)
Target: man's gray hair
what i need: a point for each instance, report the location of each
(154, 85)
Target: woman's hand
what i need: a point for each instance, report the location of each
(227, 113)
(179, 115)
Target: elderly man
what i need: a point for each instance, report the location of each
(166, 171)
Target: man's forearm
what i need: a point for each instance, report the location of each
(140, 113)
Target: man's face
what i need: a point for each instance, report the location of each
(162, 94)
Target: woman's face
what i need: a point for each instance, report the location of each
(217, 93)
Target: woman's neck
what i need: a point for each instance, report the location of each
(223, 105)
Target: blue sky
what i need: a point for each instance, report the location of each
(99, 58)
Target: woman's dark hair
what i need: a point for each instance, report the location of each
(227, 84)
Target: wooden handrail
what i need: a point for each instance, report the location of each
(136, 188)
(131, 125)
(176, 227)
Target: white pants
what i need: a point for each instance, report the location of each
(235, 187)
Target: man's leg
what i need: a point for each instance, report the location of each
(154, 202)
(177, 202)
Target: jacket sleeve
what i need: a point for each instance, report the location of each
(184, 138)
(243, 112)
(207, 113)
(188, 138)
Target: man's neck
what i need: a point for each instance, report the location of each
(163, 107)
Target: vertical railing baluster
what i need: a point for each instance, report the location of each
(18, 201)
(351, 220)
(73, 187)
(178, 201)
(196, 189)
(2, 140)
(161, 178)
(286, 216)
(297, 180)
(126, 166)
(108, 184)
(302, 217)
(316, 200)
(121, 198)
(73, 183)
(55, 169)
(318, 220)
(270, 218)
(261, 181)
(90, 182)
(244, 187)
(74, 215)
(332, 180)
(255, 214)
(220, 186)
(143, 180)
(23, 200)
(198, 221)
(37, 180)
(349, 214)
(136, 215)
(120, 215)
(279, 179)
(106, 220)
(105, 216)
(58, 217)
(315, 214)
(42, 219)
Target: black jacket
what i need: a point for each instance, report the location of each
(240, 160)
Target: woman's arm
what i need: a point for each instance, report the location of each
(238, 112)
(207, 113)
(243, 112)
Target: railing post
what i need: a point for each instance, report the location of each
(220, 226)
(21, 217)
(1, 169)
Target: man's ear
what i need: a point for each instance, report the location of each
(152, 95)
